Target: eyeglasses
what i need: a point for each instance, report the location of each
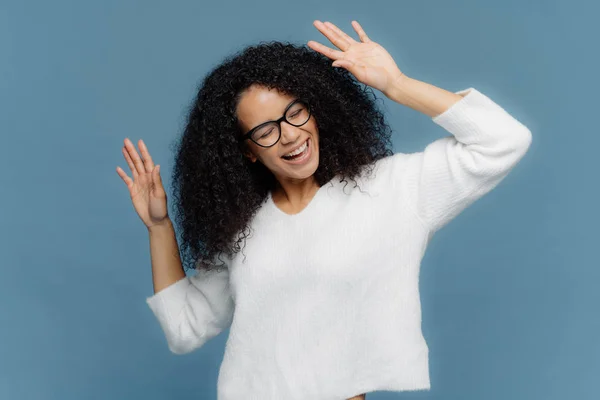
(268, 134)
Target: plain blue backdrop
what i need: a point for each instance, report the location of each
(509, 288)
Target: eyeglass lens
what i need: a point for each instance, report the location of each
(268, 134)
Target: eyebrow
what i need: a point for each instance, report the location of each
(285, 108)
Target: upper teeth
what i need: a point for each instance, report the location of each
(298, 150)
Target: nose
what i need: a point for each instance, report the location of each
(289, 133)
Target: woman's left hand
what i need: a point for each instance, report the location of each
(368, 61)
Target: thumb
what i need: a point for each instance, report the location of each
(342, 63)
(156, 176)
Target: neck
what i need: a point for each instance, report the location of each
(295, 194)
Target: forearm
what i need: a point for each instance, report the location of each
(164, 253)
(421, 96)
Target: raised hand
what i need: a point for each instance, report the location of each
(146, 189)
(368, 61)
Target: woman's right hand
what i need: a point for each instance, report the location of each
(146, 189)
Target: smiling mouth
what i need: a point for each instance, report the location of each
(306, 142)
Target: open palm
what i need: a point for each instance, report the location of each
(146, 188)
(368, 61)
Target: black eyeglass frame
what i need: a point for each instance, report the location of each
(248, 135)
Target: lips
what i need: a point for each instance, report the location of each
(296, 148)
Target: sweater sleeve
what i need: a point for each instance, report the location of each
(452, 172)
(194, 309)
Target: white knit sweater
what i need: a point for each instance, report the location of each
(326, 304)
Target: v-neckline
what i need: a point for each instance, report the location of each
(306, 208)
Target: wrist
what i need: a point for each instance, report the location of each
(161, 226)
(396, 88)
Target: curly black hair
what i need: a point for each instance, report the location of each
(217, 190)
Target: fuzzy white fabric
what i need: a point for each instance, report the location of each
(325, 304)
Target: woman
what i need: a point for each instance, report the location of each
(323, 299)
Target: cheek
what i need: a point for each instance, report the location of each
(314, 128)
(268, 156)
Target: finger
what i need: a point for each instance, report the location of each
(130, 163)
(124, 176)
(340, 32)
(361, 33)
(137, 161)
(148, 163)
(331, 53)
(330, 34)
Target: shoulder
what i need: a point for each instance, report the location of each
(386, 170)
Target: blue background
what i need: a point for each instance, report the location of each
(509, 289)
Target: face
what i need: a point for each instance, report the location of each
(258, 105)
